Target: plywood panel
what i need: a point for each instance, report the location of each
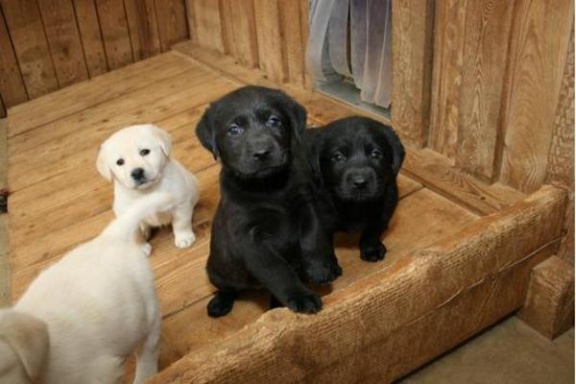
(538, 52)
(449, 25)
(92, 42)
(63, 37)
(412, 65)
(485, 52)
(12, 88)
(114, 28)
(29, 40)
(268, 30)
(143, 26)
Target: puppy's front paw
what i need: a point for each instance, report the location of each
(306, 302)
(373, 253)
(323, 274)
(184, 240)
(147, 249)
(221, 304)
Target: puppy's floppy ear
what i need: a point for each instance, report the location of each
(28, 339)
(206, 133)
(398, 152)
(102, 164)
(163, 138)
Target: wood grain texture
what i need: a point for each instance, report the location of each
(92, 42)
(449, 24)
(240, 31)
(172, 26)
(114, 28)
(293, 48)
(143, 26)
(29, 40)
(12, 89)
(205, 24)
(61, 29)
(560, 169)
(477, 267)
(538, 51)
(485, 52)
(412, 65)
(270, 39)
(549, 306)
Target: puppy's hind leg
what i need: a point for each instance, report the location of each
(222, 303)
(147, 355)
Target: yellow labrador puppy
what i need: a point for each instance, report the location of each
(138, 159)
(99, 306)
(23, 347)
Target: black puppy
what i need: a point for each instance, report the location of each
(266, 231)
(356, 160)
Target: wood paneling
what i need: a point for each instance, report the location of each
(205, 24)
(538, 49)
(12, 90)
(449, 23)
(30, 45)
(50, 44)
(485, 52)
(270, 39)
(412, 65)
(239, 25)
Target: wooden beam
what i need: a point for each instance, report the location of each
(143, 27)
(449, 27)
(484, 56)
(478, 270)
(268, 30)
(538, 51)
(205, 24)
(172, 25)
(549, 307)
(294, 46)
(240, 31)
(412, 65)
(560, 169)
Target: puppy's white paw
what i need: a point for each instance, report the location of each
(147, 249)
(184, 240)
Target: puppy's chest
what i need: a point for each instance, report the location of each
(159, 219)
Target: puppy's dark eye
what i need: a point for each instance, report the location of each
(338, 157)
(375, 154)
(273, 122)
(120, 162)
(144, 152)
(234, 130)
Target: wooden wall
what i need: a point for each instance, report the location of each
(266, 34)
(46, 45)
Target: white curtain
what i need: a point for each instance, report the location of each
(352, 39)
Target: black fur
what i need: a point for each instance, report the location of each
(266, 231)
(356, 161)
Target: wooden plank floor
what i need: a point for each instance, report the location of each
(59, 200)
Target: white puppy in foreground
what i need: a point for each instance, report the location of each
(138, 158)
(97, 304)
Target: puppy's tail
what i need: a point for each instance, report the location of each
(125, 226)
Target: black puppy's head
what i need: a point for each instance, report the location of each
(356, 157)
(252, 130)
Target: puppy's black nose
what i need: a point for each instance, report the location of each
(137, 173)
(261, 154)
(359, 182)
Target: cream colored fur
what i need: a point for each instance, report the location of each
(147, 148)
(99, 305)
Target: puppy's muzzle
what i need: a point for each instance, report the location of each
(138, 175)
(360, 180)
